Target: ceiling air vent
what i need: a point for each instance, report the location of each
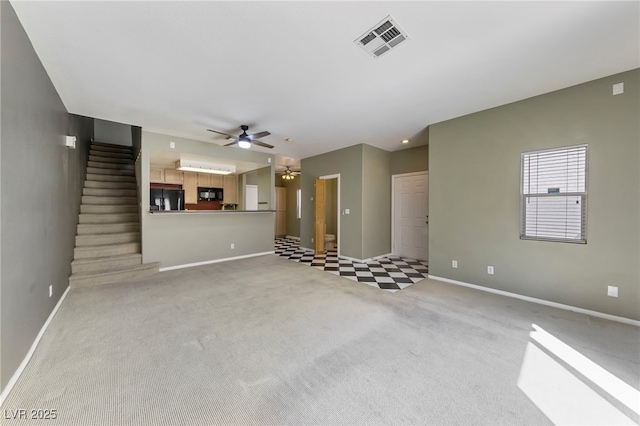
(382, 37)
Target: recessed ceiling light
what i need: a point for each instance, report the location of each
(405, 141)
(289, 140)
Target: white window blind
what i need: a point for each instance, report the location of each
(554, 195)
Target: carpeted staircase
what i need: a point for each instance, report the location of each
(108, 238)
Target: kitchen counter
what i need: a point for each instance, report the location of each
(209, 211)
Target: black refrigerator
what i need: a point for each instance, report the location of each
(166, 199)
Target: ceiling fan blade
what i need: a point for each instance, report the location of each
(266, 145)
(232, 143)
(221, 133)
(259, 135)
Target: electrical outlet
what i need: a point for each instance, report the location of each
(311, 239)
(490, 270)
(50, 290)
(454, 263)
(233, 246)
(269, 159)
(612, 291)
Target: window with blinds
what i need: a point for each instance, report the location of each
(554, 195)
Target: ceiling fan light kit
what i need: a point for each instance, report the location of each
(244, 140)
(288, 174)
(244, 143)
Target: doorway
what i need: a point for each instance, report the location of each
(410, 215)
(327, 212)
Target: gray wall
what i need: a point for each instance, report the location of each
(376, 202)
(474, 173)
(41, 183)
(179, 239)
(111, 132)
(365, 181)
(189, 238)
(410, 160)
(348, 163)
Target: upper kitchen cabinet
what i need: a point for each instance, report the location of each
(208, 180)
(156, 175)
(160, 175)
(173, 176)
(230, 188)
(217, 181)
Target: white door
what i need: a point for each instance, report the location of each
(251, 197)
(411, 216)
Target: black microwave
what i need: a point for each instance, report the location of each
(210, 194)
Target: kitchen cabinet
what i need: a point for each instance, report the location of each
(281, 211)
(208, 180)
(172, 176)
(190, 186)
(217, 181)
(230, 187)
(156, 175)
(204, 180)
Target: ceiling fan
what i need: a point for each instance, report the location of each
(288, 174)
(245, 140)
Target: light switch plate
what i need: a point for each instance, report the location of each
(612, 291)
(70, 142)
(490, 270)
(454, 263)
(618, 88)
(172, 145)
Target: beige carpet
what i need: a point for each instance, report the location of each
(269, 341)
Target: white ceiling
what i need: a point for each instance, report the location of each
(293, 69)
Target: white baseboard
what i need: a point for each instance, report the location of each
(353, 259)
(380, 256)
(27, 357)
(209, 262)
(540, 301)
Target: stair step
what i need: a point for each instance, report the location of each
(108, 218)
(113, 172)
(111, 154)
(107, 209)
(105, 263)
(108, 228)
(85, 252)
(109, 185)
(115, 166)
(110, 192)
(87, 279)
(110, 178)
(103, 239)
(107, 159)
(110, 146)
(92, 199)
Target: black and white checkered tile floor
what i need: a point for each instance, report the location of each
(388, 273)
